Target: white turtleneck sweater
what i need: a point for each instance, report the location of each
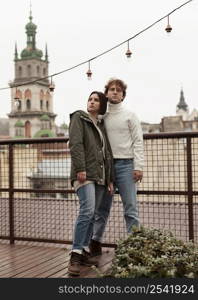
(125, 134)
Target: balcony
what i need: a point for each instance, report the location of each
(38, 206)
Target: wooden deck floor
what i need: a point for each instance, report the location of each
(39, 261)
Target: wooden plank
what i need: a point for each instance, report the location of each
(41, 266)
(10, 249)
(62, 266)
(19, 265)
(16, 254)
(47, 268)
(28, 261)
(16, 266)
(60, 274)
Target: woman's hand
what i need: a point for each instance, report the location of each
(111, 188)
(81, 176)
(137, 175)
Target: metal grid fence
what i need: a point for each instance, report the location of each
(37, 202)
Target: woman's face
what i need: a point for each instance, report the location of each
(93, 104)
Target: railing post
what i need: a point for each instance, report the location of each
(11, 194)
(190, 189)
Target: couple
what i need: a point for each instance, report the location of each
(105, 152)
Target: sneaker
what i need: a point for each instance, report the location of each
(95, 248)
(87, 260)
(74, 264)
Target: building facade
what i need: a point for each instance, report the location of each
(31, 100)
(182, 121)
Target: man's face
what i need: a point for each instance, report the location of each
(93, 104)
(115, 94)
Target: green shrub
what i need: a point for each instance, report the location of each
(154, 253)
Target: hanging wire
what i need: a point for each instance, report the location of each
(103, 53)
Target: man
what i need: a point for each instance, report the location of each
(126, 140)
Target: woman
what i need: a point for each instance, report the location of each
(91, 173)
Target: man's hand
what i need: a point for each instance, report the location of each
(111, 188)
(137, 175)
(81, 176)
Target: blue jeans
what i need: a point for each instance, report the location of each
(126, 186)
(90, 197)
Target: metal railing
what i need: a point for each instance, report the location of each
(37, 202)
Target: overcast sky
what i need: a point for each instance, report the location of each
(78, 30)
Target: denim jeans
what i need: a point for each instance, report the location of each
(90, 198)
(126, 186)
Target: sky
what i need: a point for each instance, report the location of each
(76, 31)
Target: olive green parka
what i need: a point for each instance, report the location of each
(86, 149)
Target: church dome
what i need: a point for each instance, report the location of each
(30, 26)
(31, 53)
(44, 133)
(45, 118)
(19, 123)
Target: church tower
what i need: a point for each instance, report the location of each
(182, 107)
(31, 100)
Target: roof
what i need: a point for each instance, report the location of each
(45, 118)
(182, 103)
(19, 123)
(44, 132)
(30, 51)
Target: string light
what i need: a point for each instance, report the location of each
(128, 52)
(89, 73)
(51, 86)
(168, 27)
(16, 98)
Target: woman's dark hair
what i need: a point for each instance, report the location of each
(103, 102)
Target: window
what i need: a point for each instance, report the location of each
(28, 129)
(28, 104)
(45, 125)
(28, 94)
(29, 71)
(19, 132)
(19, 105)
(38, 70)
(47, 96)
(20, 71)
